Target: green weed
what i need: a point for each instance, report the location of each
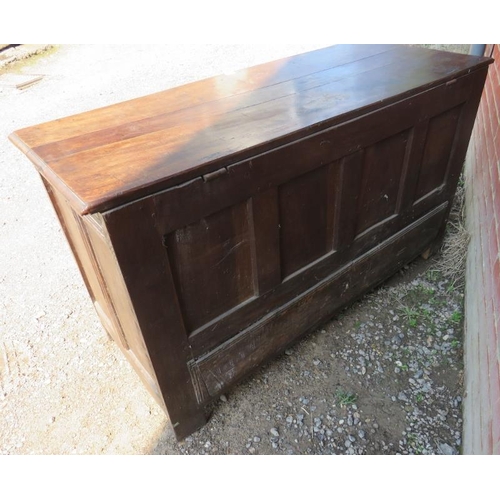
(411, 315)
(427, 290)
(433, 275)
(345, 398)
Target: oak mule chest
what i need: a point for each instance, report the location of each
(217, 222)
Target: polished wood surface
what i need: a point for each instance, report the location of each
(103, 158)
(262, 204)
(317, 204)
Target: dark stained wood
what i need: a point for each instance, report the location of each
(378, 193)
(441, 133)
(127, 151)
(411, 169)
(189, 202)
(333, 192)
(351, 167)
(211, 262)
(146, 271)
(265, 224)
(75, 241)
(230, 216)
(457, 156)
(109, 309)
(202, 91)
(116, 291)
(225, 326)
(241, 355)
(303, 218)
(247, 177)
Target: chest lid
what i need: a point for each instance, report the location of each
(104, 158)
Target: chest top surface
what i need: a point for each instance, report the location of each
(103, 158)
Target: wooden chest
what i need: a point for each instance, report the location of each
(217, 222)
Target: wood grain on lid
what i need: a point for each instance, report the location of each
(109, 156)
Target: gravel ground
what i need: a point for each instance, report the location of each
(385, 376)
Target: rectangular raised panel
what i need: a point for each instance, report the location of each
(304, 203)
(440, 136)
(382, 170)
(211, 262)
(271, 335)
(310, 218)
(265, 221)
